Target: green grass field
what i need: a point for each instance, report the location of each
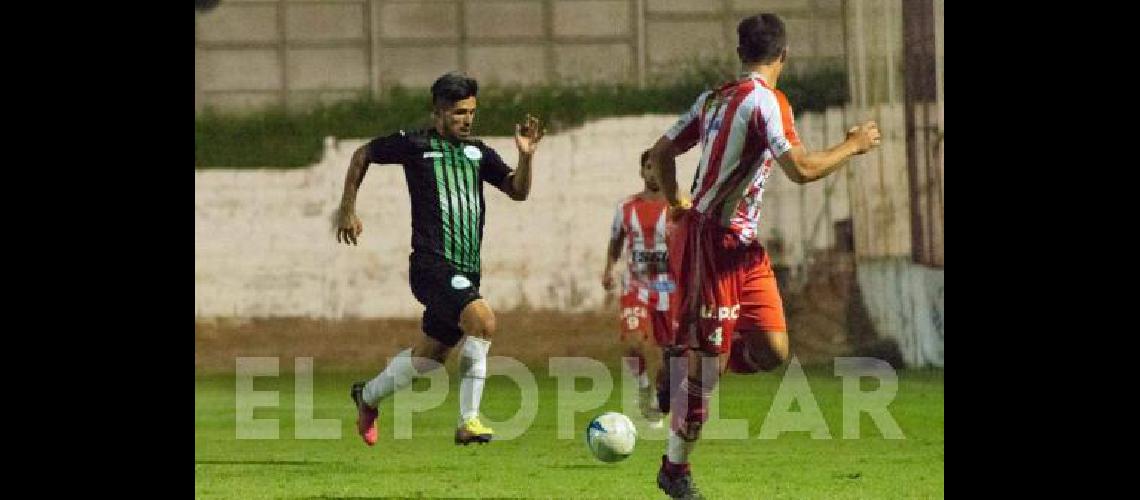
(539, 465)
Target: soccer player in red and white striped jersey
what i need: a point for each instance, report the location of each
(640, 227)
(723, 274)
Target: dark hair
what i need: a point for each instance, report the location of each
(761, 38)
(644, 157)
(453, 86)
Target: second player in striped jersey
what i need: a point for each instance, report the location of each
(640, 228)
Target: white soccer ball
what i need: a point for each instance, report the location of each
(611, 437)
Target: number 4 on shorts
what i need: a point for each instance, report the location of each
(715, 338)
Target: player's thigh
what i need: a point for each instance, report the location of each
(761, 308)
(447, 294)
(720, 272)
(761, 331)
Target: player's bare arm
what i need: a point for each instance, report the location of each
(348, 225)
(527, 136)
(613, 253)
(663, 157)
(802, 166)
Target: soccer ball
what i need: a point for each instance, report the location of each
(611, 437)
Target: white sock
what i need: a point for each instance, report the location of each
(473, 370)
(397, 375)
(643, 381)
(678, 450)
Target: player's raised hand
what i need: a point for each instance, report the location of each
(348, 227)
(528, 133)
(865, 135)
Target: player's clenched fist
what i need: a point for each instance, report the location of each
(865, 135)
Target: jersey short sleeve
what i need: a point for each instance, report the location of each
(686, 131)
(778, 124)
(617, 227)
(492, 168)
(393, 148)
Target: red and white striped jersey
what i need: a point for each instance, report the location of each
(742, 127)
(645, 224)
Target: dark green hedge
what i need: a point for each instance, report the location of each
(277, 138)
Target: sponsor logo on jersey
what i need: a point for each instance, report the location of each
(650, 256)
(663, 285)
(433, 154)
(721, 313)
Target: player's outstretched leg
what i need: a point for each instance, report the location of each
(367, 396)
(425, 356)
(365, 415)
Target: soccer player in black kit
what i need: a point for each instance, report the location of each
(444, 168)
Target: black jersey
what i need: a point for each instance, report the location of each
(445, 187)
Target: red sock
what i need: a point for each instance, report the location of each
(695, 398)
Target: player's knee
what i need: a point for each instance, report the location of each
(755, 351)
(488, 324)
(478, 320)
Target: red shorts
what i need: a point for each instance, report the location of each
(638, 319)
(722, 285)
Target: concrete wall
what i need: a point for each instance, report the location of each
(907, 303)
(253, 53)
(264, 244)
(265, 247)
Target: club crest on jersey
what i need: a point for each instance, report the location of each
(460, 282)
(472, 152)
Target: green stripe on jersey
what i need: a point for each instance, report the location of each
(444, 210)
(453, 200)
(473, 209)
